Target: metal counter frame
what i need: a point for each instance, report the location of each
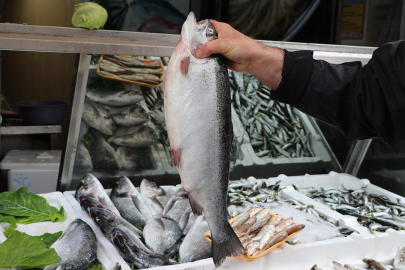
(17, 37)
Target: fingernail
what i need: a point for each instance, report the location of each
(199, 54)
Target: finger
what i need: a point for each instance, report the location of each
(211, 47)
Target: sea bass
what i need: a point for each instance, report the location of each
(198, 120)
(77, 247)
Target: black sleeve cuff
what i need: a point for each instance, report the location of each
(297, 71)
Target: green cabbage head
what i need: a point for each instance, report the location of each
(89, 15)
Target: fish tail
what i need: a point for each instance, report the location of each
(229, 248)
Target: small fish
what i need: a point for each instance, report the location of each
(251, 248)
(275, 219)
(90, 186)
(110, 67)
(122, 197)
(294, 228)
(129, 116)
(154, 71)
(276, 239)
(142, 136)
(161, 233)
(241, 229)
(136, 62)
(241, 219)
(74, 254)
(133, 253)
(375, 264)
(115, 97)
(195, 246)
(282, 226)
(254, 211)
(145, 78)
(180, 206)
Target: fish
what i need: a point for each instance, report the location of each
(129, 158)
(142, 136)
(399, 261)
(115, 97)
(115, 266)
(83, 158)
(276, 239)
(128, 117)
(137, 62)
(84, 128)
(132, 252)
(251, 248)
(177, 206)
(149, 192)
(110, 66)
(154, 71)
(145, 78)
(294, 228)
(136, 111)
(104, 155)
(91, 186)
(195, 246)
(241, 219)
(198, 121)
(275, 219)
(108, 221)
(122, 197)
(375, 264)
(98, 118)
(161, 233)
(76, 247)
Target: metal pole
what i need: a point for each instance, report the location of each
(357, 156)
(75, 121)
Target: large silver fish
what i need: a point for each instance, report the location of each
(128, 116)
(77, 247)
(97, 117)
(140, 136)
(104, 155)
(91, 186)
(198, 120)
(123, 198)
(150, 191)
(195, 246)
(83, 158)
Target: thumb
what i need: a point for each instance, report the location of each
(211, 47)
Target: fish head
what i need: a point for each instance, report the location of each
(89, 186)
(123, 185)
(194, 35)
(103, 217)
(87, 202)
(151, 189)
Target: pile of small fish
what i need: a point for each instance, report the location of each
(274, 130)
(398, 264)
(149, 226)
(377, 212)
(250, 193)
(259, 230)
(133, 68)
(113, 125)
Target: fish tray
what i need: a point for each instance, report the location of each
(129, 81)
(107, 248)
(263, 167)
(58, 200)
(252, 258)
(384, 243)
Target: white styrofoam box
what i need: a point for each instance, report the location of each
(36, 170)
(57, 200)
(385, 243)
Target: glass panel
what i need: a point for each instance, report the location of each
(384, 166)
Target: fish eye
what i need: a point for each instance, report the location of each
(210, 32)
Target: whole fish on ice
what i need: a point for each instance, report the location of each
(77, 247)
(198, 120)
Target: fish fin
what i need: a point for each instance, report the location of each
(176, 156)
(184, 64)
(231, 247)
(197, 209)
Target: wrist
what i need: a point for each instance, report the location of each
(266, 64)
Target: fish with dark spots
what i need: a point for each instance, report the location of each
(198, 121)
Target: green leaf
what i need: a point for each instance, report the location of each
(49, 238)
(9, 224)
(26, 252)
(96, 266)
(28, 207)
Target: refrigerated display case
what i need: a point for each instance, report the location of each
(153, 161)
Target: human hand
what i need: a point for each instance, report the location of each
(245, 54)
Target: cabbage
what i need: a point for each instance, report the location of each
(89, 15)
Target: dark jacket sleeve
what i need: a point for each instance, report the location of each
(363, 101)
